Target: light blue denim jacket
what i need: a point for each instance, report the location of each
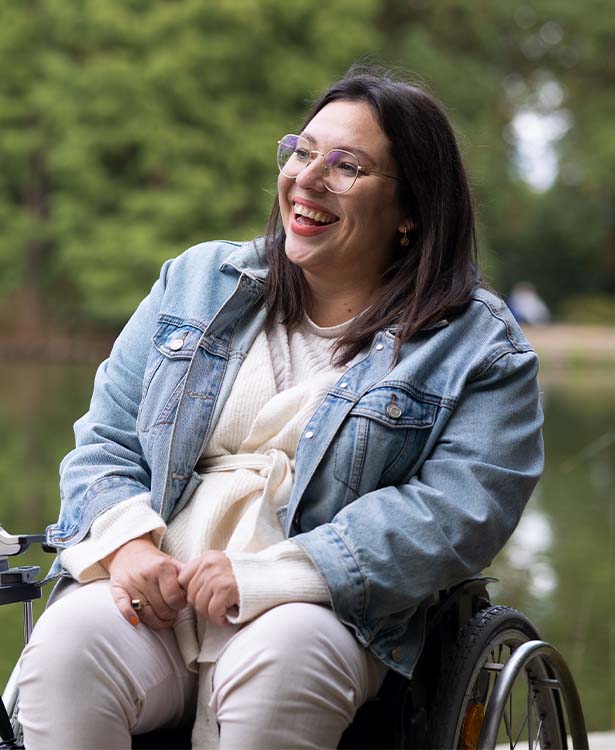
(409, 477)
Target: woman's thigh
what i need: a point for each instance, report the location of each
(89, 679)
(292, 678)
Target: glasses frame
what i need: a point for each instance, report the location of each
(324, 168)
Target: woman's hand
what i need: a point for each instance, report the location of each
(139, 570)
(211, 586)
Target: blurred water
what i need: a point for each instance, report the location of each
(557, 567)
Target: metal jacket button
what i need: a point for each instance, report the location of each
(176, 344)
(394, 411)
(379, 347)
(309, 435)
(396, 654)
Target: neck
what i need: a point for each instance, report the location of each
(332, 304)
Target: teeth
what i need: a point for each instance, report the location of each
(315, 215)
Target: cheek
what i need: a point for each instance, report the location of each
(284, 185)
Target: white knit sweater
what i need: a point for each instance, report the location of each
(247, 473)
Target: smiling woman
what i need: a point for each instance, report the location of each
(363, 212)
(293, 444)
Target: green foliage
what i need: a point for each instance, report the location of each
(130, 129)
(133, 129)
(593, 309)
(490, 60)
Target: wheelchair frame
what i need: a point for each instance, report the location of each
(475, 655)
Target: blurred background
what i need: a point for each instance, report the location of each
(132, 129)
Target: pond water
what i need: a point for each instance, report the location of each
(558, 567)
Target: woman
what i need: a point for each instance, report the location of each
(304, 437)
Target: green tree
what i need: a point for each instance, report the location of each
(130, 129)
(489, 61)
(133, 129)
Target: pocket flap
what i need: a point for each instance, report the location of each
(176, 341)
(396, 406)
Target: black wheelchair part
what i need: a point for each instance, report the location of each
(484, 677)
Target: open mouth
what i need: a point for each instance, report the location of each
(310, 217)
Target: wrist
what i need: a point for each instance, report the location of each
(141, 542)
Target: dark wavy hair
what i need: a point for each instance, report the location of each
(432, 278)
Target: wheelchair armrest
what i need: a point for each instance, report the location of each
(15, 544)
(19, 584)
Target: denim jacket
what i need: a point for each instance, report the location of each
(409, 477)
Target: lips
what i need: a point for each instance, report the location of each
(309, 219)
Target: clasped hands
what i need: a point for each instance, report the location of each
(139, 570)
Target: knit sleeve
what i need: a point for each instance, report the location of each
(279, 574)
(127, 520)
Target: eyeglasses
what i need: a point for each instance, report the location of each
(340, 168)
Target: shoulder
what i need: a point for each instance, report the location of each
(481, 343)
(491, 311)
(496, 337)
(196, 283)
(222, 256)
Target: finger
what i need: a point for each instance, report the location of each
(179, 565)
(122, 600)
(187, 572)
(195, 584)
(201, 600)
(172, 593)
(149, 616)
(153, 597)
(219, 605)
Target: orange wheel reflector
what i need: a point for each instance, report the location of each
(472, 723)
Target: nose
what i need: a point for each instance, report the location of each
(311, 175)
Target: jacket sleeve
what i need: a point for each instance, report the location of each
(107, 465)
(394, 547)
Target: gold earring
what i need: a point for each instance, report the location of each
(405, 240)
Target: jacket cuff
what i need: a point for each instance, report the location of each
(127, 520)
(277, 575)
(342, 574)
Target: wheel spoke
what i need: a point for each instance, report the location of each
(538, 734)
(508, 729)
(529, 717)
(520, 731)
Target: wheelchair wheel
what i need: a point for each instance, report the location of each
(470, 670)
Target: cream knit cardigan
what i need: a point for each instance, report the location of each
(247, 474)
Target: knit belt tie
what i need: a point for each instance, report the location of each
(259, 526)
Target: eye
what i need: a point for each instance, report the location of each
(347, 167)
(302, 154)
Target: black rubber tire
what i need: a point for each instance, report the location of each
(461, 667)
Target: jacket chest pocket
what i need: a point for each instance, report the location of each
(165, 373)
(382, 438)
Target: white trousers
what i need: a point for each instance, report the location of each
(292, 678)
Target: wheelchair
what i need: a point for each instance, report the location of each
(484, 677)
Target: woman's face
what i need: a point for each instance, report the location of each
(355, 246)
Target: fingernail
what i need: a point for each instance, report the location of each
(134, 620)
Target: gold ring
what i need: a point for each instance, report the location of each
(136, 604)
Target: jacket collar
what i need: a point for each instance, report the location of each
(249, 259)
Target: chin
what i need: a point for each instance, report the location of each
(299, 252)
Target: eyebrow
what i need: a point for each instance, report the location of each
(352, 149)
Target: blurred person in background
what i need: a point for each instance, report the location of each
(527, 306)
(294, 442)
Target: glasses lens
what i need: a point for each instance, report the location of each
(341, 170)
(293, 154)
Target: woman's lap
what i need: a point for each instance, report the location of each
(85, 663)
(90, 679)
(292, 678)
